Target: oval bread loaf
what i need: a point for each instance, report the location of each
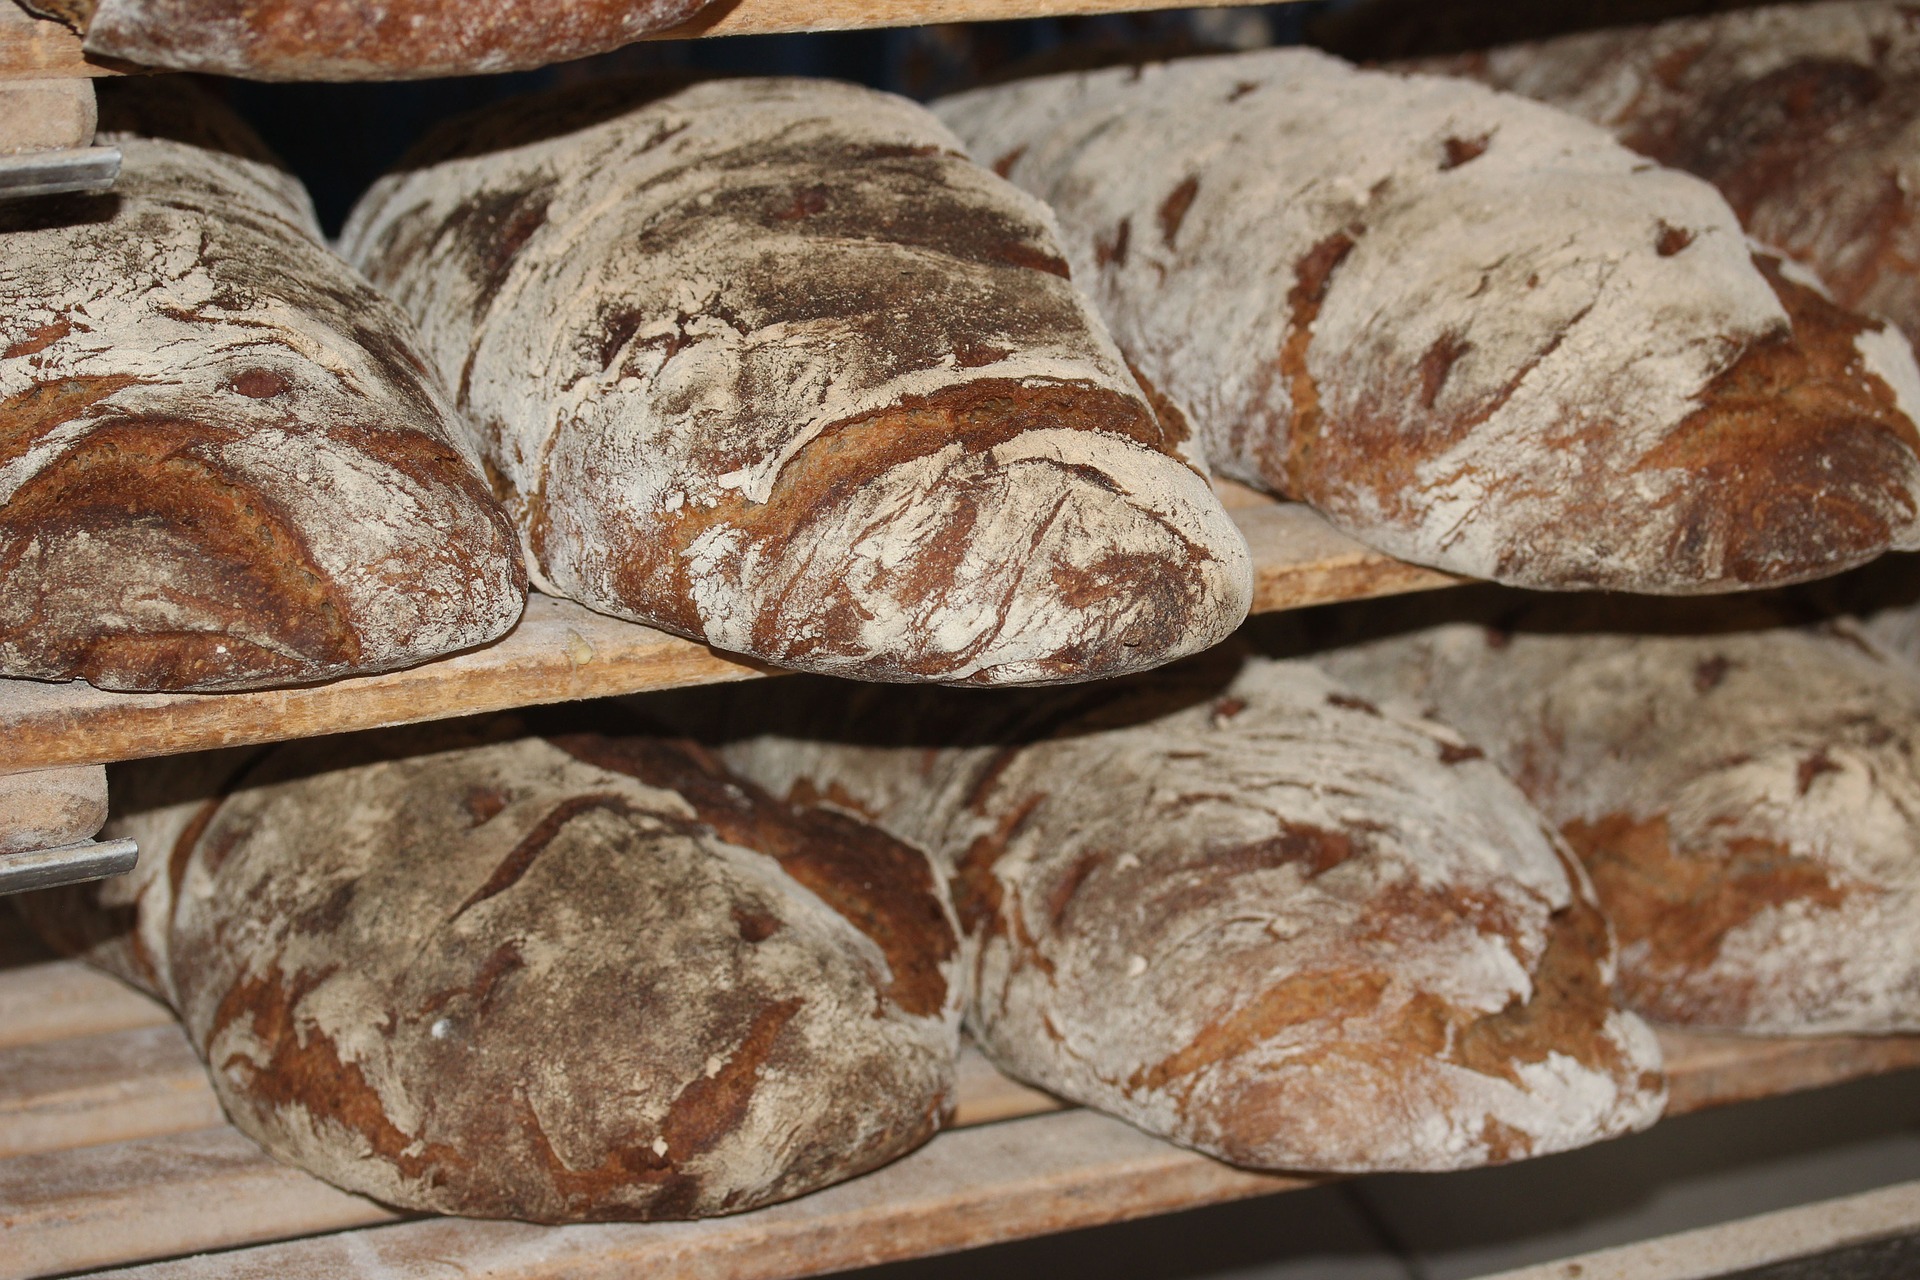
(363, 40)
(1249, 912)
(1474, 332)
(1745, 795)
(1806, 117)
(222, 463)
(568, 978)
(771, 364)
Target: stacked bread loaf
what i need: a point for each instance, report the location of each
(472, 970)
(225, 464)
(1473, 331)
(1805, 116)
(771, 364)
(1244, 909)
(1743, 792)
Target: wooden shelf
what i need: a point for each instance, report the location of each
(561, 652)
(113, 1153)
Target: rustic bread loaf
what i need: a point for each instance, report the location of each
(1806, 117)
(1473, 331)
(1251, 913)
(222, 464)
(364, 40)
(1745, 795)
(770, 364)
(577, 977)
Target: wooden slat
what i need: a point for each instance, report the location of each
(41, 49)
(94, 1206)
(761, 17)
(1712, 1071)
(1727, 1247)
(138, 1083)
(976, 1186)
(65, 1000)
(558, 653)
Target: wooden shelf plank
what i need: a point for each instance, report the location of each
(100, 1205)
(33, 48)
(142, 1082)
(561, 652)
(765, 17)
(65, 1000)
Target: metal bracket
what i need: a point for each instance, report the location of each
(45, 173)
(66, 864)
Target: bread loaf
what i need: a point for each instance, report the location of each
(1805, 116)
(1745, 795)
(1474, 332)
(1249, 912)
(770, 364)
(222, 464)
(470, 971)
(364, 40)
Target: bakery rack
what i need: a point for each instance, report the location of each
(113, 1151)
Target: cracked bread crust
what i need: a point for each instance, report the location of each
(1249, 912)
(1743, 793)
(222, 463)
(465, 970)
(772, 365)
(363, 40)
(1473, 331)
(1806, 117)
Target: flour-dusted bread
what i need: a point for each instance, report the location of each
(222, 464)
(769, 363)
(1745, 795)
(1473, 331)
(1805, 116)
(362, 40)
(1249, 912)
(471, 971)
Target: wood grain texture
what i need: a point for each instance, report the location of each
(95, 1206)
(559, 652)
(759, 17)
(65, 1000)
(34, 48)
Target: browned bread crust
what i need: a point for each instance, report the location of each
(581, 977)
(1474, 332)
(222, 463)
(1743, 793)
(1247, 911)
(771, 364)
(360, 39)
(1806, 117)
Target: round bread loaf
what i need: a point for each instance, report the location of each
(222, 463)
(579, 977)
(1473, 331)
(1745, 795)
(360, 40)
(1250, 912)
(1805, 116)
(771, 364)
